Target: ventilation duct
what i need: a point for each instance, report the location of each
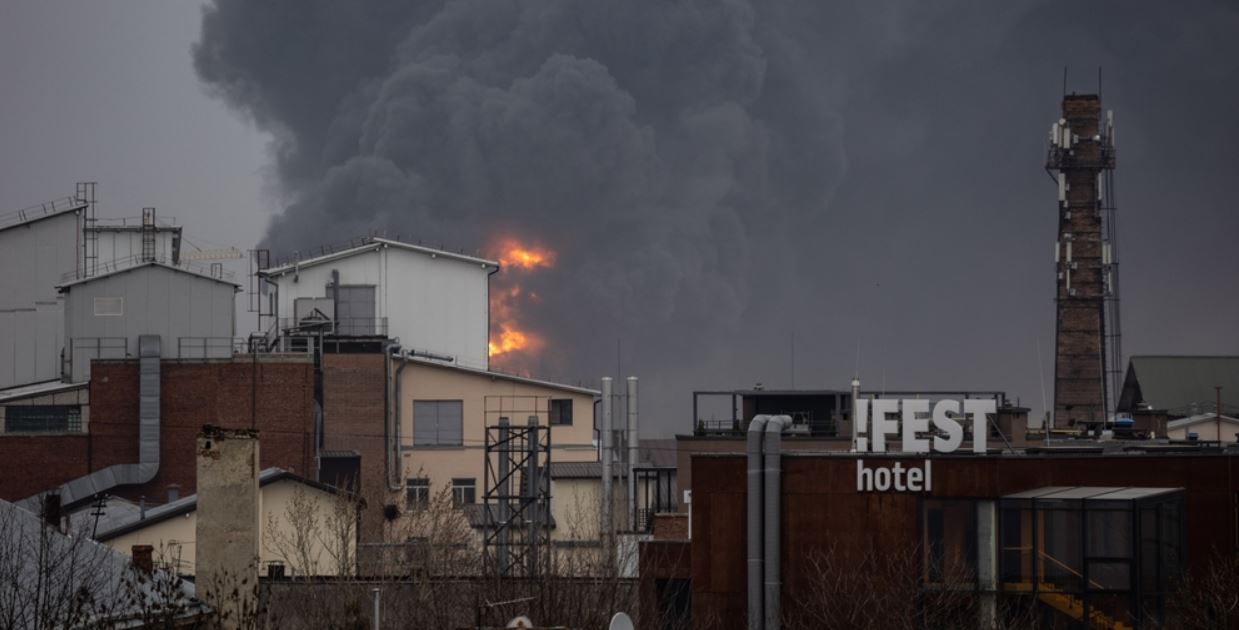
(85, 488)
(763, 450)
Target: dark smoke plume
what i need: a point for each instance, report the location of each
(735, 191)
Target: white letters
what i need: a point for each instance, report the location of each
(882, 424)
(881, 479)
(943, 422)
(977, 409)
(915, 421)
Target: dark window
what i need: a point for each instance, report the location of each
(950, 541)
(417, 493)
(464, 491)
(43, 419)
(674, 603)
(561, 411)
(438, 423)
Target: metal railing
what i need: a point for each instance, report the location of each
(40, 210)
(340, 327)
(208, 347)
(215, 271)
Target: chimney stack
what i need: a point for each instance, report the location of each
(143, 558)
(228, 520)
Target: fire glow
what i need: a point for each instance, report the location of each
(509, 338)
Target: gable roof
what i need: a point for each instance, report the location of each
(1176, 383)
(1198, 419)
(187, 504)
(76, 563)
(145, 265)
(374, 244)
(504, 376)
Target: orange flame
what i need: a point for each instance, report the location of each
(513, 254)
(508, 337)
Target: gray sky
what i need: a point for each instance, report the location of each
(715, 179)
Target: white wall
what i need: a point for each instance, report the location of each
(33, 258)
(117, 243)
(435, 304)
(157, 301)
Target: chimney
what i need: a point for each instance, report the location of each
(52, 513)
(228, 520)
(143, 559)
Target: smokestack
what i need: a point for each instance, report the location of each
(143, 558)
(632, 450)
(608, 497)
(228, 522)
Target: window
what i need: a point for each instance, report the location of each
(417, 493)
(949, 541)
(437, 422)
(561, 411)
(109, 306)
(43, 419)
(464, 492)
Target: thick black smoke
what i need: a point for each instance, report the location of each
(724, 181)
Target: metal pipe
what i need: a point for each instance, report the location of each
(772, 504)
(632, 450)
(753, 520)
(374, 623)
(390, 349)
(607, 530)
(404, 361)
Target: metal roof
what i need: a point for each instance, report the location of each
(374, 244)
(1091, 493)
(26, 216)
(40, 389)
(145, 265)
(1178, 382)
(1198, 419)
(38, 553)
(503, 376)
(187, 504)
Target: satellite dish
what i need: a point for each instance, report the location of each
(621, 621)
(520, 622)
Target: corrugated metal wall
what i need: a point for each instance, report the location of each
(193, 315)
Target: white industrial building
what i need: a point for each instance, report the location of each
(104, 315)
(433, 301)
(54, 244)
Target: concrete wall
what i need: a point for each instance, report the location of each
(174, 539)
(33, 258)
(436, 304)
(227, 533)
(175, 305)
(421, 381)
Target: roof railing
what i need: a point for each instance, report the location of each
(215, 271)
(46, 208)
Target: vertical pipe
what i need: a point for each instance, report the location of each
(374, 622)
(753, 519)
(632, 450)
(987, 564)
(531, 486)
(607, 526)
(772, 502)
(855, 398)
(503, 535)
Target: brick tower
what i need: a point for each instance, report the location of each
(1087, 355)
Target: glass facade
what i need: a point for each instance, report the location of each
(1092, 557)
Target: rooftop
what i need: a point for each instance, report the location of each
(328, 253)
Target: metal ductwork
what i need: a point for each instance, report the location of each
(391, 435)
(396, 463)
(608, 497)
(763, 450)
(633, 452)
(84, 488)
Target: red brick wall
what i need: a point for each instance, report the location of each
(354, 417)
(823, 512)
(279, 401)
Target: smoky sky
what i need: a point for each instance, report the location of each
(777, 192)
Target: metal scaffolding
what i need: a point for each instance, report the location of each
(517, 496)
